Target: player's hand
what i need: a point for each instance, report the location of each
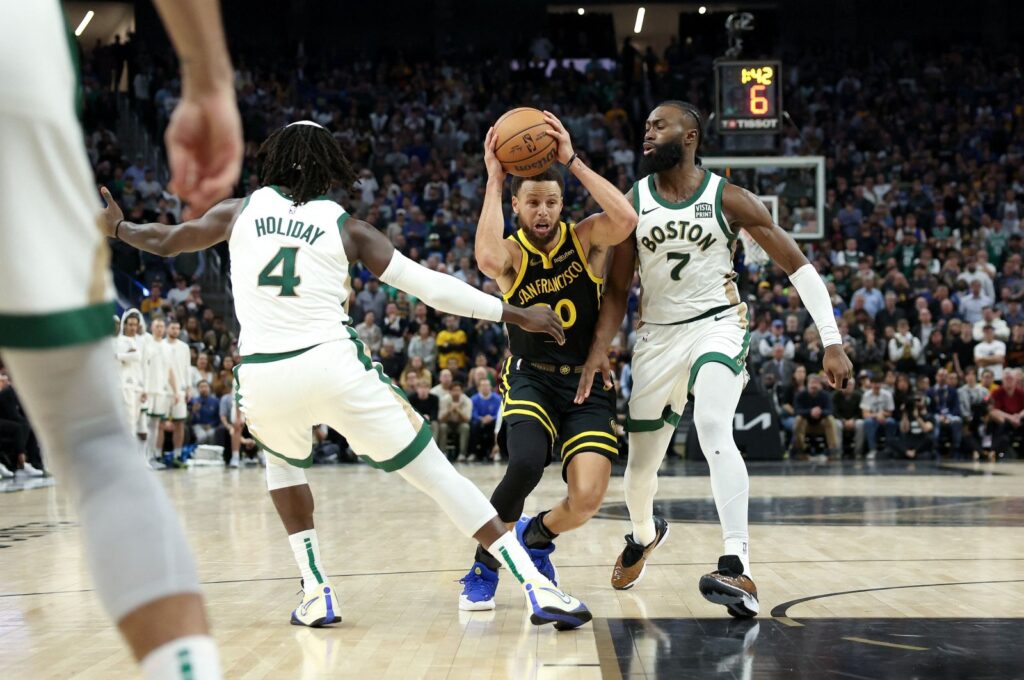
(536, 319)
(838, 368)
(111, 215)
(491, 162)
(595, 362)
(204, 148)
(561, 136)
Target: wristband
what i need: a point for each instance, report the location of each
(572, 159)
(117, 229)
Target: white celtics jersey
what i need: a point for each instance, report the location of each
(289, 273)
(157, 366)
(179, 360)
(685, 252)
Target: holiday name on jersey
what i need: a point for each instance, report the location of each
(549, 285)
(677, 230)
(266, 226)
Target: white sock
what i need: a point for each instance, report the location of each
(509, 552)
(193, 657)
(716, 393)
(144, 448)
(234, 458)
(646, 453)
(177, 454)
(306, 549)
(154, 427)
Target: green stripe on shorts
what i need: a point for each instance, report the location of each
(57, 329)
(406, 455)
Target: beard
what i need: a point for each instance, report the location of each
(664, 157)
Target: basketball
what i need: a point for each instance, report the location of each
(524, 147)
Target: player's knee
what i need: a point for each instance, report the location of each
(714, 429)
(585, 499)
(525, 471)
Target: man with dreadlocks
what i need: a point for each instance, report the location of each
(291, 249)
(693, 339)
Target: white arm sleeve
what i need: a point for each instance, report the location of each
(815, 298)
(440, 291)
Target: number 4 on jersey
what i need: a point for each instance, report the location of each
(287, 281)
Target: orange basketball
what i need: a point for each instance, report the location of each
(524, 146)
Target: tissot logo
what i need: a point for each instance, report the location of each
(703, 210)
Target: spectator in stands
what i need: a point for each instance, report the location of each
(370, 333)
(394, 327)
(916, 428)
(1000, 328)
(849, 418)
(974, 402)
(455, 413)
(372, 299)
(224, 383)
(17, 436)
(424, 345)
(973, 304)
(180, 293)
(877, 407)
(415, 367)
(890, 314)
(944, 402)
(444, 384)
(205, 409)
(781, 367)
(154, 302)
(486, 405)
(452, 343)
(814, 415)
(990, 353)
(426, 404)
(201, 372)
(937, 354)
(1007, 414)
(872, 297)
(904, 348)
(389, 361)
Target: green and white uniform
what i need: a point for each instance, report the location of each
(156, 367)
(179, 358)
(690, 310)
(302, 365)
(55, 286)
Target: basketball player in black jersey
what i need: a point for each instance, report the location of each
(559, 265)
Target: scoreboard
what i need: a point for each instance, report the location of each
(748, 97)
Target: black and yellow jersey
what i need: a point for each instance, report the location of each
(563, 281)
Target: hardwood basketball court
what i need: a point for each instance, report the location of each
(896, 570)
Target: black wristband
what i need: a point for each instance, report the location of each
(572, 159)
(117, 229)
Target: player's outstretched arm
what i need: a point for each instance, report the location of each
(613, 309)
(440, 291)
(204, 136)
(491, 249)
(170, 239)
(619, 218)
(745, 211)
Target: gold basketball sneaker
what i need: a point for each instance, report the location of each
(319, 607)
(632, 562)
(728, 585)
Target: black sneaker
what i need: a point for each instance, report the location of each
(632, 562)
(729, 586)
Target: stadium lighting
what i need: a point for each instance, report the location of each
(85, 22)
(581, 11)
(639, 25)
(702, 10)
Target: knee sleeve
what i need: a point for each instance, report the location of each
(134, 545)
(431, 473)
(528, 447)
(282, 474)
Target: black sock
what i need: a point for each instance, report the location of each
(486, 558)
(537, 535)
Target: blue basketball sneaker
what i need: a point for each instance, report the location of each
(541, 556)
(478, 588)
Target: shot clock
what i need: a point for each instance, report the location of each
(748, 97)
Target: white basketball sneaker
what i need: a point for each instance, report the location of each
(551, 605)
(319, 607)
(5, 473)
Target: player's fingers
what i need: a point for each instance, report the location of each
(606, 373)
(556, 331)
(586, 380)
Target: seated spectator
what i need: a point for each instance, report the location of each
(394, 327)
(205, 409)
(486, 406)
(809, 352)
(424, 345)
(871, 351)
(458, 374)
(372, 299)
(389, 361)
(444, 384)
(452, 343)
(780, 366)
(427, 405)
(154, 301)
(415, 367)
(1015, 347)
(877, 408)
(1007, 414)
(224, 383)
(25, 459)
(937, 354)
(200, 372)
(1000, 329)
(916, 428)
(944, 402)
(180, 293)
(218, 339)
(904, 348)
(973, 304)
(455, 412)
(480, 362)
(902, 394)
(974, 402)
(229, 434)
(369, 332)
(813, 407)
(990, 354)
(787, 417)
(961, 345)
(777, 337)
(848, 416)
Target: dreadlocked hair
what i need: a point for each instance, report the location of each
(305, 159)
(687, 107)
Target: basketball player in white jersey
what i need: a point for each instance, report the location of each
(693, 339)
(291, 249)
(56, 301)
(131, 354)
(161, 387)
(180, 360)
